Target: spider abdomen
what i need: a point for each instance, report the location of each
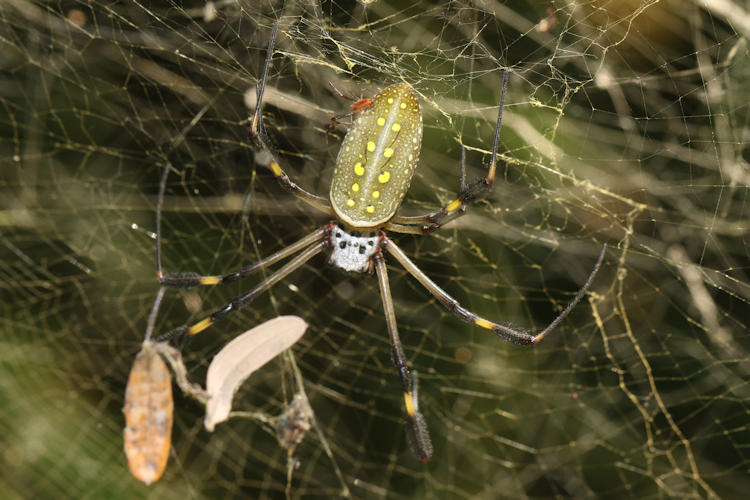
(377, 159)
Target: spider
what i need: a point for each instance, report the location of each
(372, 173)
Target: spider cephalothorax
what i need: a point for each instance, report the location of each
(352, 251)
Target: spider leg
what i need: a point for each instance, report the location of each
(415, 389)
(244, 299)
(507, 332)
(416, 428)
(190, 279)
(435, 220)
(404, 228)
(359, 105)
(152, 316)
(265, 156)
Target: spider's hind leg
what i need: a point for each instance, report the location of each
(416, 428)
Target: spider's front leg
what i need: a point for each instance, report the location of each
(424, 224)
(265, 155)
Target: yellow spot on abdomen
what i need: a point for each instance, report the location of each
(370, 209)
(402, 105)
(376, 194)
(355, 187)
(381, 121)
(388, 152)
(390, 100)
(396, 127)
(350, 202)
(358, 169)
(370, 146)
(384, 177)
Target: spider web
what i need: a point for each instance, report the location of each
(625, 123)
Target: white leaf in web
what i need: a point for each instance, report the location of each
(241, 357)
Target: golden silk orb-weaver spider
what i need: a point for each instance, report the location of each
(372, 173)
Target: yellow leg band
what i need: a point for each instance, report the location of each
(484, 323)
(276, 169)
(210, 280)
(453, 205)
(200, 326)
(491, 174)
(409, 402)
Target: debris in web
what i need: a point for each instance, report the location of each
(148, 415)
(149, 403)
(241, 357)
(294, 422)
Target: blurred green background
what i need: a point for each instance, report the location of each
(625, 122)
